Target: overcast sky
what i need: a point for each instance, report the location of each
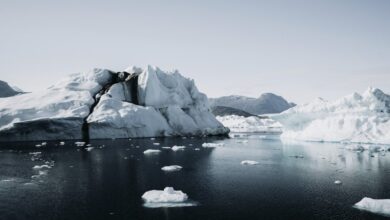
(297, 49)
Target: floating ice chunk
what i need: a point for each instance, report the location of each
(337, 182)
(171, 168)
(197, 149)
(38, 145)
(62, 143)
(242, 141)
(213, 144)
(378, 206)
(44, 143)
(35, 153)
(79, 143)
(176, 148)
(249, 162)
(166, 198)
(152, 151)
(89, 148)
(166, 148)
(38, 167)
(157, 144)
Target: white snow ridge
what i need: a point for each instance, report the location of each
(166, 198)
(355, 118)
(105, 104)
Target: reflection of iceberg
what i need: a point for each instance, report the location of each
(166, 198)
(354, 118)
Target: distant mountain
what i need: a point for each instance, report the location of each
(6, 90)
(265, 104)
(223, 110)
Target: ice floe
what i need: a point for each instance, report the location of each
(152, 151)
(378, 206)
(177, 148)
(166, 198)
(213, 144)
(249, 162)
(171, 168)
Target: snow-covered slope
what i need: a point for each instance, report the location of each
(355, 118)
(265, 104)
(6, 90)
(250, 124)
(104, 104)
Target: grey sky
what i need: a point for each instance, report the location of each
(298, 49)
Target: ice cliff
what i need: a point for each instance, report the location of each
(105, 104)
(361, 118)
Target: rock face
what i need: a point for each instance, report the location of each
(6, 90)
(265, 104)
(105, 104)
(355, 118)
(223, 111)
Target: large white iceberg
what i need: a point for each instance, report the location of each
(106, 104)
(250, 124)
(355, 118)
(378, 206)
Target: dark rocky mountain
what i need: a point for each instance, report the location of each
(6, 90)
(265, 104)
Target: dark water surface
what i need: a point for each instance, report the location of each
(108, 182)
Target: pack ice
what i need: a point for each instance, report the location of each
(105, 104)
(354, 118)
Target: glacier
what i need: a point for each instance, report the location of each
(357, 118)
(103, 104)
(251, 124)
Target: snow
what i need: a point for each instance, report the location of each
(171, 168)
(166, 198)
(177, 148)
(354, 118)
(213, 144)
(169, 105)
(249, 162)
(378, 206)
(57, 111)
(152, 151)
(249, 124)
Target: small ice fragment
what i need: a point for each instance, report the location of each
(337, 182)
(171, 168)
(152, 138)
(89, 148)
(166, 198)
(249, 162)
(44, 143)
(62, 143)
(378, 206)
(213, 144)
(166, 148)
(38, 167)
(152, 151)
(176, 148)
(79, 143)
(242, 141)
(156, 144)
(197, 149)
(38, 145)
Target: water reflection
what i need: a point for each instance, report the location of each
(293, 180)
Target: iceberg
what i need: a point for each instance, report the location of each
(378, 206)
(166, 198)
(354, 118)
(252, 124)
(102, 104)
